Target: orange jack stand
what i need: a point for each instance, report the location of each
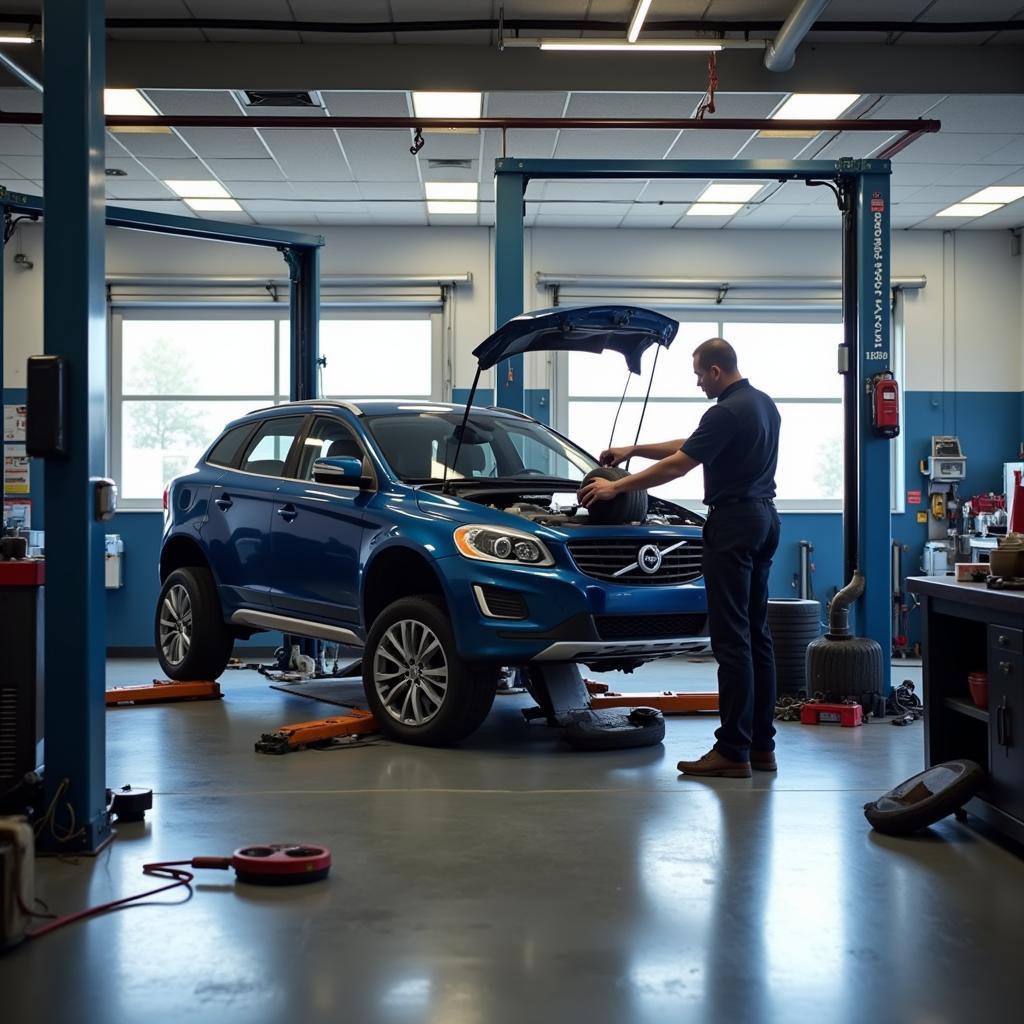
(162, 691)
(305, 734)
(667, 702)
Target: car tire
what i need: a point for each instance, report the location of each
(192, 641)
(417, 686)
(627, 507)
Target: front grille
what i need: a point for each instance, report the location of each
(648, 627)
(504, 604)
(602, 559)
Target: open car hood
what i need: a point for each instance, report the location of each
(630, 330)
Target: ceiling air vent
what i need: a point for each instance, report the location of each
(450, 165)
(280, 98)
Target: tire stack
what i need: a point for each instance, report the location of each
(794, 624)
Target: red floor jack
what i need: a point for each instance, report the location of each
(307, 734)
(668, 702)
(819, 713)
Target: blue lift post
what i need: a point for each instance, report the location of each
(864, 188)
(75, 328)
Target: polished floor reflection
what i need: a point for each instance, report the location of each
(510, 880)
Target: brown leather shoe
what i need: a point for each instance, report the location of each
(763, 761)
(716, 765)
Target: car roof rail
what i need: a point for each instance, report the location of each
(511, 412)
(337, 402)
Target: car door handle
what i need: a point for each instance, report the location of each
(287, 513)
(223, 503)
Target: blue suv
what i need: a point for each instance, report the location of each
(447, 543)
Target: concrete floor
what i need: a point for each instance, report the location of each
(511, 880)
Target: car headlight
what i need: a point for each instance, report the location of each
(511, 547)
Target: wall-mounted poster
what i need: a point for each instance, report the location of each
(16, 470)
(18, 514)
(14, 422)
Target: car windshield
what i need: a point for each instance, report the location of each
(419, 445)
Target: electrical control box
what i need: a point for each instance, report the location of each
(947, 461)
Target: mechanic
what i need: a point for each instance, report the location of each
(737, 442)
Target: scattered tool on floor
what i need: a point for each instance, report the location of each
(162, 691)
(257, 864)
(353, 726)
(668, 702)
(926, 798)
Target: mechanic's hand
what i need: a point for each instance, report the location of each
(597, 490)
(613, 456)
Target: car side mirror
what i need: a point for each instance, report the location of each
(340, 469)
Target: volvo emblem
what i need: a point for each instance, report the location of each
(649, 559)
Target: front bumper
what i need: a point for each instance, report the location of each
(571, 617)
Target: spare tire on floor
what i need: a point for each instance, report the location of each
(629, 507)
(794, 623)
(614, 729)
(925, 798)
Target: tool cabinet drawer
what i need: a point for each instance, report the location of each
(1003, 638)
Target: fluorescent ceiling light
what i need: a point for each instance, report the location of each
(127, 103)
(211, 205)
(198, 189)
(690, 45)
(808, 105)
(443, 206)
(739, 193)
(8, 38)
(787, 133)
(714, 209)
(447, 104)
(452, 190)
(969, 209)
(997, 194)
(637, 21)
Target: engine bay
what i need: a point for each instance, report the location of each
(563, 510)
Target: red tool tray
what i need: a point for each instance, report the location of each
(25, 572)
(847, 715)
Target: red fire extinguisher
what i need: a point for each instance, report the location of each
(885, 404)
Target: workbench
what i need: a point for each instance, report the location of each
(969, 628)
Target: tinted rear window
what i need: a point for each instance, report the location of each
(226, 451)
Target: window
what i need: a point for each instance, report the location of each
(226, 451)
(419, 447)
(329, 438)
(793, 361)
(268, 450)
(178, 377)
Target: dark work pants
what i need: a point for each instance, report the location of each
(739, 541)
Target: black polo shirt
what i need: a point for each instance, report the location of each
(737, 443)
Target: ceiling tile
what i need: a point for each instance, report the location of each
(25, 166)
(596, 144)
(531, 143)
(367, 104)
(172, 206)
(325, 190)
(978, 175)
(206, 102)
(381, 154)
(606, 190)
(307, 154)
(1011, 153)
(16, 141)
(261, 189)
(246, 170)
(145, 144)
(122, 188)
(617, 210)
(972, 114)
(956, 148)
(21, 101)
(177, 170)
(674, 189)
(632, 104)
(708, 144)
(524, 104)
(576, 222)
(855, 144)
(237, 143)
(385, 190)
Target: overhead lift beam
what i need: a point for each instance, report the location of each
(863, 194)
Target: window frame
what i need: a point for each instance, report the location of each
(766, 314)
(197, 310)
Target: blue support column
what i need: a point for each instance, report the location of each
(874, 349)
(509, 190)
(75, 328)
(304, 274)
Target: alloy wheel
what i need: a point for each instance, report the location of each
(410, 672)
(176, 624)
